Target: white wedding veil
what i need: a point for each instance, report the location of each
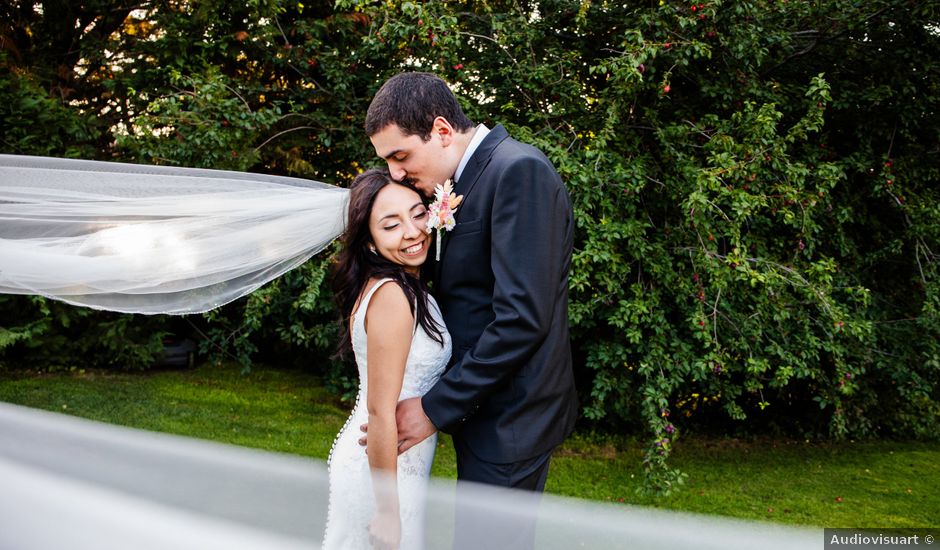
(76, 484)
(154, 239)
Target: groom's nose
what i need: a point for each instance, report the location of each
(397, 172)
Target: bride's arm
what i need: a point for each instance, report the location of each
(389, 323)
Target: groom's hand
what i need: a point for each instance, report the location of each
(413, 425)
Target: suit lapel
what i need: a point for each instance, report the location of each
(471, 174)
(481, 157)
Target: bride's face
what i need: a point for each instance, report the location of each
(398, 226)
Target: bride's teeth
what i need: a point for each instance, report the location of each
(414, 249)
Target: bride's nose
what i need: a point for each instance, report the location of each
(413, 229)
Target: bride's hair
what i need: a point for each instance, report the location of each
(357, 263)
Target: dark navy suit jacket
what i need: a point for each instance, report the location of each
(502, 285)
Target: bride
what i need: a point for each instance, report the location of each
(395, 330)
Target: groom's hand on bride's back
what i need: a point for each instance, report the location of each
(413, 425)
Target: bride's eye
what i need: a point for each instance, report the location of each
(421, 215)
(390, 227)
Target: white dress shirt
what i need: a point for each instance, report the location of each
(478, 135)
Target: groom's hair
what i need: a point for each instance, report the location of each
(412, 101)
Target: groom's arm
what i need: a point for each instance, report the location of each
(530, 221)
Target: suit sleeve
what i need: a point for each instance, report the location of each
(530, 218)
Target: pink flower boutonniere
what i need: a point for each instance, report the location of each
(442, 212)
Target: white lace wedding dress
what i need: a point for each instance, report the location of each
(352, 502)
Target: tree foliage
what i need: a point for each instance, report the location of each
(754, 181)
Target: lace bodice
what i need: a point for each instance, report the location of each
(352, 502)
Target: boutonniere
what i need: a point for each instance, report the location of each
(442, 212)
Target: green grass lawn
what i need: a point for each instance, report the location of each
(851, 484)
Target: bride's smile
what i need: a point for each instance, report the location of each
(414, 249)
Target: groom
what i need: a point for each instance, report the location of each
(508, 396)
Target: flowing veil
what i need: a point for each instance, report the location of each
(77, 484)
(154, 239)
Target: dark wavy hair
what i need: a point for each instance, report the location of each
(412, 101)
(357, 263)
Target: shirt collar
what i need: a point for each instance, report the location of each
(478, 135)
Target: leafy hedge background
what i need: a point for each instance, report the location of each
(755, 183)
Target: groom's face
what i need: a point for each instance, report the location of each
(424, 163)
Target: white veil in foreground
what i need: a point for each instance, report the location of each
(154, 239)
(75, 484)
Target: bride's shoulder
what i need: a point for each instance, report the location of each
(384, 285)
(388, 301)
(364, 293)
(388, 309)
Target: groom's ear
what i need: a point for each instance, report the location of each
(441, 129)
